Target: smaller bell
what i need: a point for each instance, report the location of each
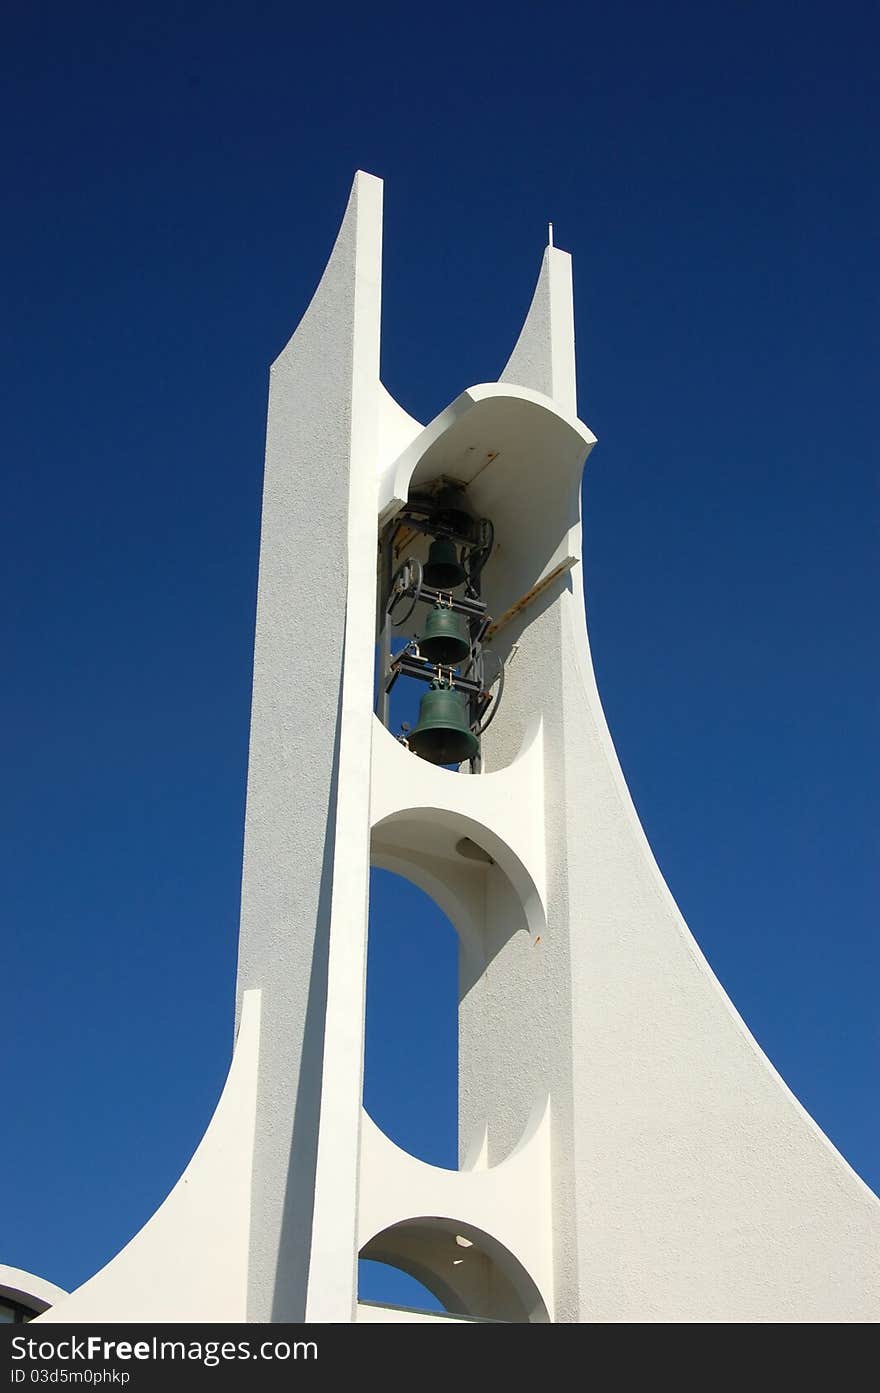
(445, 640)
(443, 570)
(451, 513)
(442, 735)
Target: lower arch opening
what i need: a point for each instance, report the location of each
(466, 1272)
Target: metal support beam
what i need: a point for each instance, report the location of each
(530, 596)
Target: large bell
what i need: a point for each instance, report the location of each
(443, 570)
(445, 640)
(442, 735)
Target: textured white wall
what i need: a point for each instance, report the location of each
(689, 1184)
(304, 889)
(413, 1212)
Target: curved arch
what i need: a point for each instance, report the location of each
(455, 906)
(421, 843)
(467, 1269)
(520, 458)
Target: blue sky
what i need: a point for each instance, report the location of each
(174, 180)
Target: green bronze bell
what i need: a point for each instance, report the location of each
(443, 570)
(445, 640)
(443, 735)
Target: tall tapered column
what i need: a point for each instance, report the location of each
(306, 858)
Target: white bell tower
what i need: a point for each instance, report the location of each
(628, 1154)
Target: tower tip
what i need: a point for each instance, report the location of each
(549, 234)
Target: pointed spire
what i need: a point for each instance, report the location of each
(543, 358)
(352, 276)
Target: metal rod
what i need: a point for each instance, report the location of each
(383, 702)
(464, 605)
(405, 665)
(383, 693)
(474, 609)
(530, 596)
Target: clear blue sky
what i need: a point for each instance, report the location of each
(174, 179)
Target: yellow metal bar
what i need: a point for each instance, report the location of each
(530, 596)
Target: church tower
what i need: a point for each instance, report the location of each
(628, 1154)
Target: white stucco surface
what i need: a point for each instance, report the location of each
(306, 856)
(688, 1184)
(543, 356)
(627, 1152)
(509, 1204)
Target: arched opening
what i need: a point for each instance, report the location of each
(428, 1002)
(483, 887)
(411, 1046)
(467, 1271)
(496, 477)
